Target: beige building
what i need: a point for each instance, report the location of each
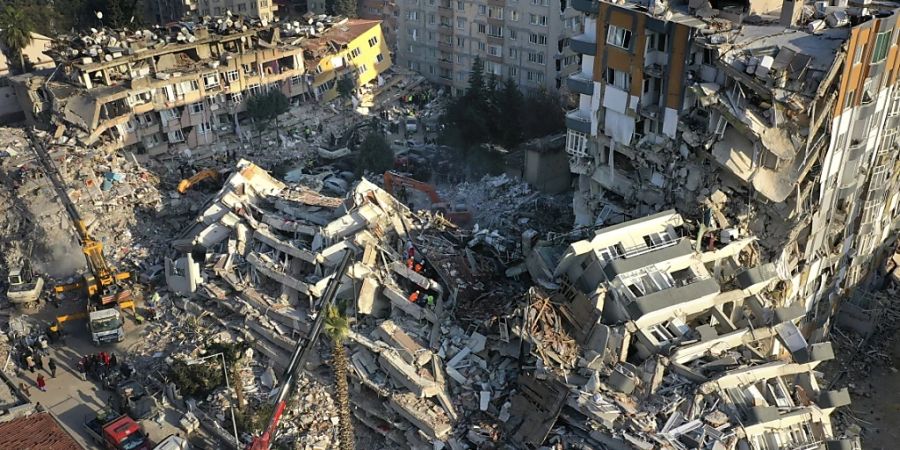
(36, 57)
(184, 90)
(165, 11)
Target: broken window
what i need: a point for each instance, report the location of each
(619, 37)
(619, 79)
(211, 80)
(204, 128)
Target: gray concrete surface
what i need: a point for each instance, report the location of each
(73, 400)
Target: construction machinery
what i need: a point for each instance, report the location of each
(24, 286)
(205, 174)
(399, 185)
(298, 358)
(102, 285)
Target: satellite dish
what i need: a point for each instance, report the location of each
(99, 14)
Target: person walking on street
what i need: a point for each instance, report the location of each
(39, 360)
(51, 364)
(29, 360)
(41, 382)
(24, 388)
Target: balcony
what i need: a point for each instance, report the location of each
(586, 6)
(584, 44)
(445, 64)
(580, 83)
(579, 120)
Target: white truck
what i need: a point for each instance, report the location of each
(24, 287)
(106, 326)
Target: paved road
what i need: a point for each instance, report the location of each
(74, 400)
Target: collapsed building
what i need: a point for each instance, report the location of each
(776, 118)
(638, 337)
(673, 344)
(171, 89)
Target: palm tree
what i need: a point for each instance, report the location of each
(16, 31)
(338, 327)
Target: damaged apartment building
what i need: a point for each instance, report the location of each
(680, 344)
(170, 89)
(776, 118)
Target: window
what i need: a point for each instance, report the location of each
(619, 79)
(482, 10)
(204, 128)
(355, 52)
(538, 20)
(482, 28)
(176, 136)
(461, 23)
(232, 76)
(242, 7)
(513, 15)
(514, 53)
(379, 58)
(460, 42)
(491, 67)
(431, 18)
(495, 50)
(362, 69)
(495, 12)
(481, 46)
(850, 98)
(619, 37)
(537, 58)
(412, 15)
(460, 6)
(254, 89)
(373, 41)
(197, 108)
(539, 2)
(513, 72)
(211, 80)
(297, 79)
(540, 39)
(237, 98)
(882, 43)
(537, 77)
(513, 34)
(495, 31)
(169, 114)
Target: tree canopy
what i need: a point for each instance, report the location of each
(16, 32)
(342, 8)
(498, 113)
(375, 154)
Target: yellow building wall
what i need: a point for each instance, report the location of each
(367, 57)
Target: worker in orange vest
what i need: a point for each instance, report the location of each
(414, 297)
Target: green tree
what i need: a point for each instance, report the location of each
(542, 114)
(476, 80)
(265, 108)
(345, 86)
(337, 327)
(342, 8)
(16, 32)
(509, 125)
(375, 154)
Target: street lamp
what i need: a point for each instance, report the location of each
(192, 362)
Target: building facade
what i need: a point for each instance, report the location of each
(165, 11)
(753, 117)
(166, 97)
(522, 40)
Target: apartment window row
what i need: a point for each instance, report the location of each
(535, 19)
(355, 53)
(535, 77)
(535, 57)
(373, 41)
(537, 38)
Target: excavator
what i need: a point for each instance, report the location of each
(205, 174)
(298, 359)
(102, 285)
(458, 214)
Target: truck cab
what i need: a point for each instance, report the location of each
(24, 287)
(120, 433)
(106, 326)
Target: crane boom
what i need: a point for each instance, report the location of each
(101, 274)
(298, 358)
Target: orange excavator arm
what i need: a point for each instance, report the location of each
(204, 174)
(392, 178)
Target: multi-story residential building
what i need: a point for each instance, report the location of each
(385, 11)
(356, 49)
(36, 57)
(188, 89)
(165, 11)
(522, 40)
(752, 118)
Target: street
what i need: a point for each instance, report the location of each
(74, 400)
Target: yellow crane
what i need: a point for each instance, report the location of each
(101, 283)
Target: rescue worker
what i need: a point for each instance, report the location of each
(414, 297)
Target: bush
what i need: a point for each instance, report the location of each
(375, 155)
(197, 380)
